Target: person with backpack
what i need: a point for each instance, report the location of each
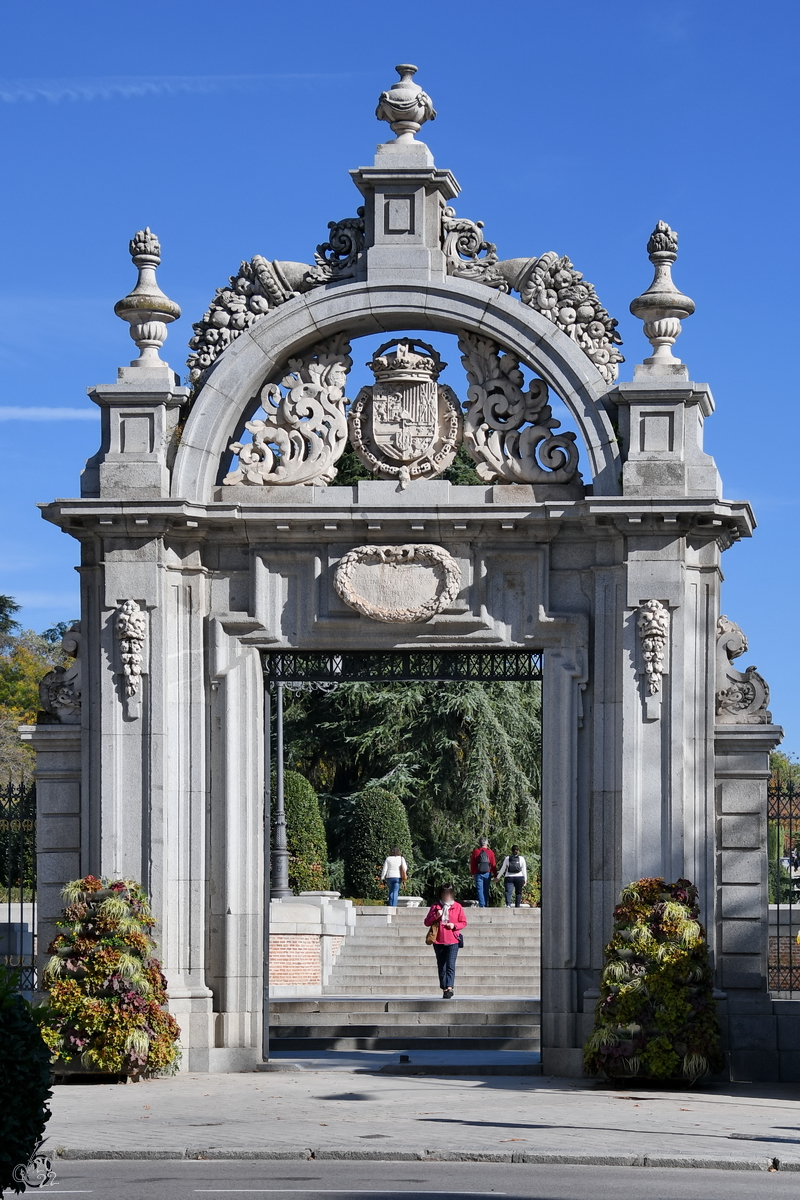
(445, 920)
(394, 872)
(483, 865)
(515, 870)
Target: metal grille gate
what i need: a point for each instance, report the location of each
(18, 882)
(783, 844)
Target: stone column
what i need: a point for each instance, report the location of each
(58, 822)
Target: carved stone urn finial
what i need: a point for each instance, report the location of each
(405, 106)
(146, 308)
(662, 306)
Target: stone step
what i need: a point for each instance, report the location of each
(392, 1004)
(403, 1032)
(490, 1022)
(407, 954)
(402, 937)
(475, 1045)
(400, 990)
(422, 970)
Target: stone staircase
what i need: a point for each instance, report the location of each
(383, 993)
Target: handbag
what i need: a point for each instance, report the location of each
(432, 934)
(403, 874)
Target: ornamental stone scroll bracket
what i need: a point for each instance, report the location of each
(653, 628)
(60, 690)
(404, 584)
(741, 696)
(130, 631)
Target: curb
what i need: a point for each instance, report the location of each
(551, 1158)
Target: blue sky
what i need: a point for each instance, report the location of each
(230, 131)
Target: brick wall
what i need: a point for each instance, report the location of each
(295, 959)
(336, 945)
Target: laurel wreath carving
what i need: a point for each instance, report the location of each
(429, 555)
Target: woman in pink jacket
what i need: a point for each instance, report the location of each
(449, 916)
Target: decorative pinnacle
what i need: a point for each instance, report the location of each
(405, 106)
(146, 308)
(662, 306)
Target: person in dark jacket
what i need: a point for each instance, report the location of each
(483, 866)
(449, 915)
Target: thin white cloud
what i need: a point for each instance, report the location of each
(127, 87)
(17, 412)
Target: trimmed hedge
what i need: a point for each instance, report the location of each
(656, 1015)
(24, 1082)
(305, 835)
(379, 822)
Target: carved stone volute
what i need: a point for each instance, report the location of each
(742, 696)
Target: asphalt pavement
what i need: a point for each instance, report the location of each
(197, 1180)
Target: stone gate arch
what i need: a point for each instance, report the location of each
(656, 748)
(445, 305)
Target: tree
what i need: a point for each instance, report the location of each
(462, 757)
(24, 1082)
(379, 823)
(305, 836)
(25, 658)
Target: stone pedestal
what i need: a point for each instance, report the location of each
(59, 818)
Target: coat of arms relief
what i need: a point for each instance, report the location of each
(406, 426)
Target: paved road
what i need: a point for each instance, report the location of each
(382, 1181)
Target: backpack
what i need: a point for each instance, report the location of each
(514, 865)
(483, 862)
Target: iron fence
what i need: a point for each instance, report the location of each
(783, 847)
(18, 882)
(365, 666)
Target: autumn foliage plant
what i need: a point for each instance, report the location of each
(107, 995)
(656, 1016)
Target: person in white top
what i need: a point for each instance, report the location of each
(515, 870)
(395, 872)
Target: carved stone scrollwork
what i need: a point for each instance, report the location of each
(337, 258)
(508, 430)
(259, 286)
(130, 628)
(554, 288)
(653, 627)
(468, 255)
(60, 690)
(398, 583)
(406, 426)
(306, 428)
(742, 696)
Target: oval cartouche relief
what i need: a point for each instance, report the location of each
(406, 583)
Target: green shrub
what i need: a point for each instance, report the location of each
(305, 836)
(107, 1004)
(24, 1082)
(379, 822)
(656, 1015)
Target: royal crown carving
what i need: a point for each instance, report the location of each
(305, 431)
(508, 431)
(742, 696)
(405, 584)
(406, 425)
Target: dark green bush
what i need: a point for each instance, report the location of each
(305, 836)
(24, 1082)
(656, 1015)
(379, 822)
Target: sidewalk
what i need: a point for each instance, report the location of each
(355, 1113)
